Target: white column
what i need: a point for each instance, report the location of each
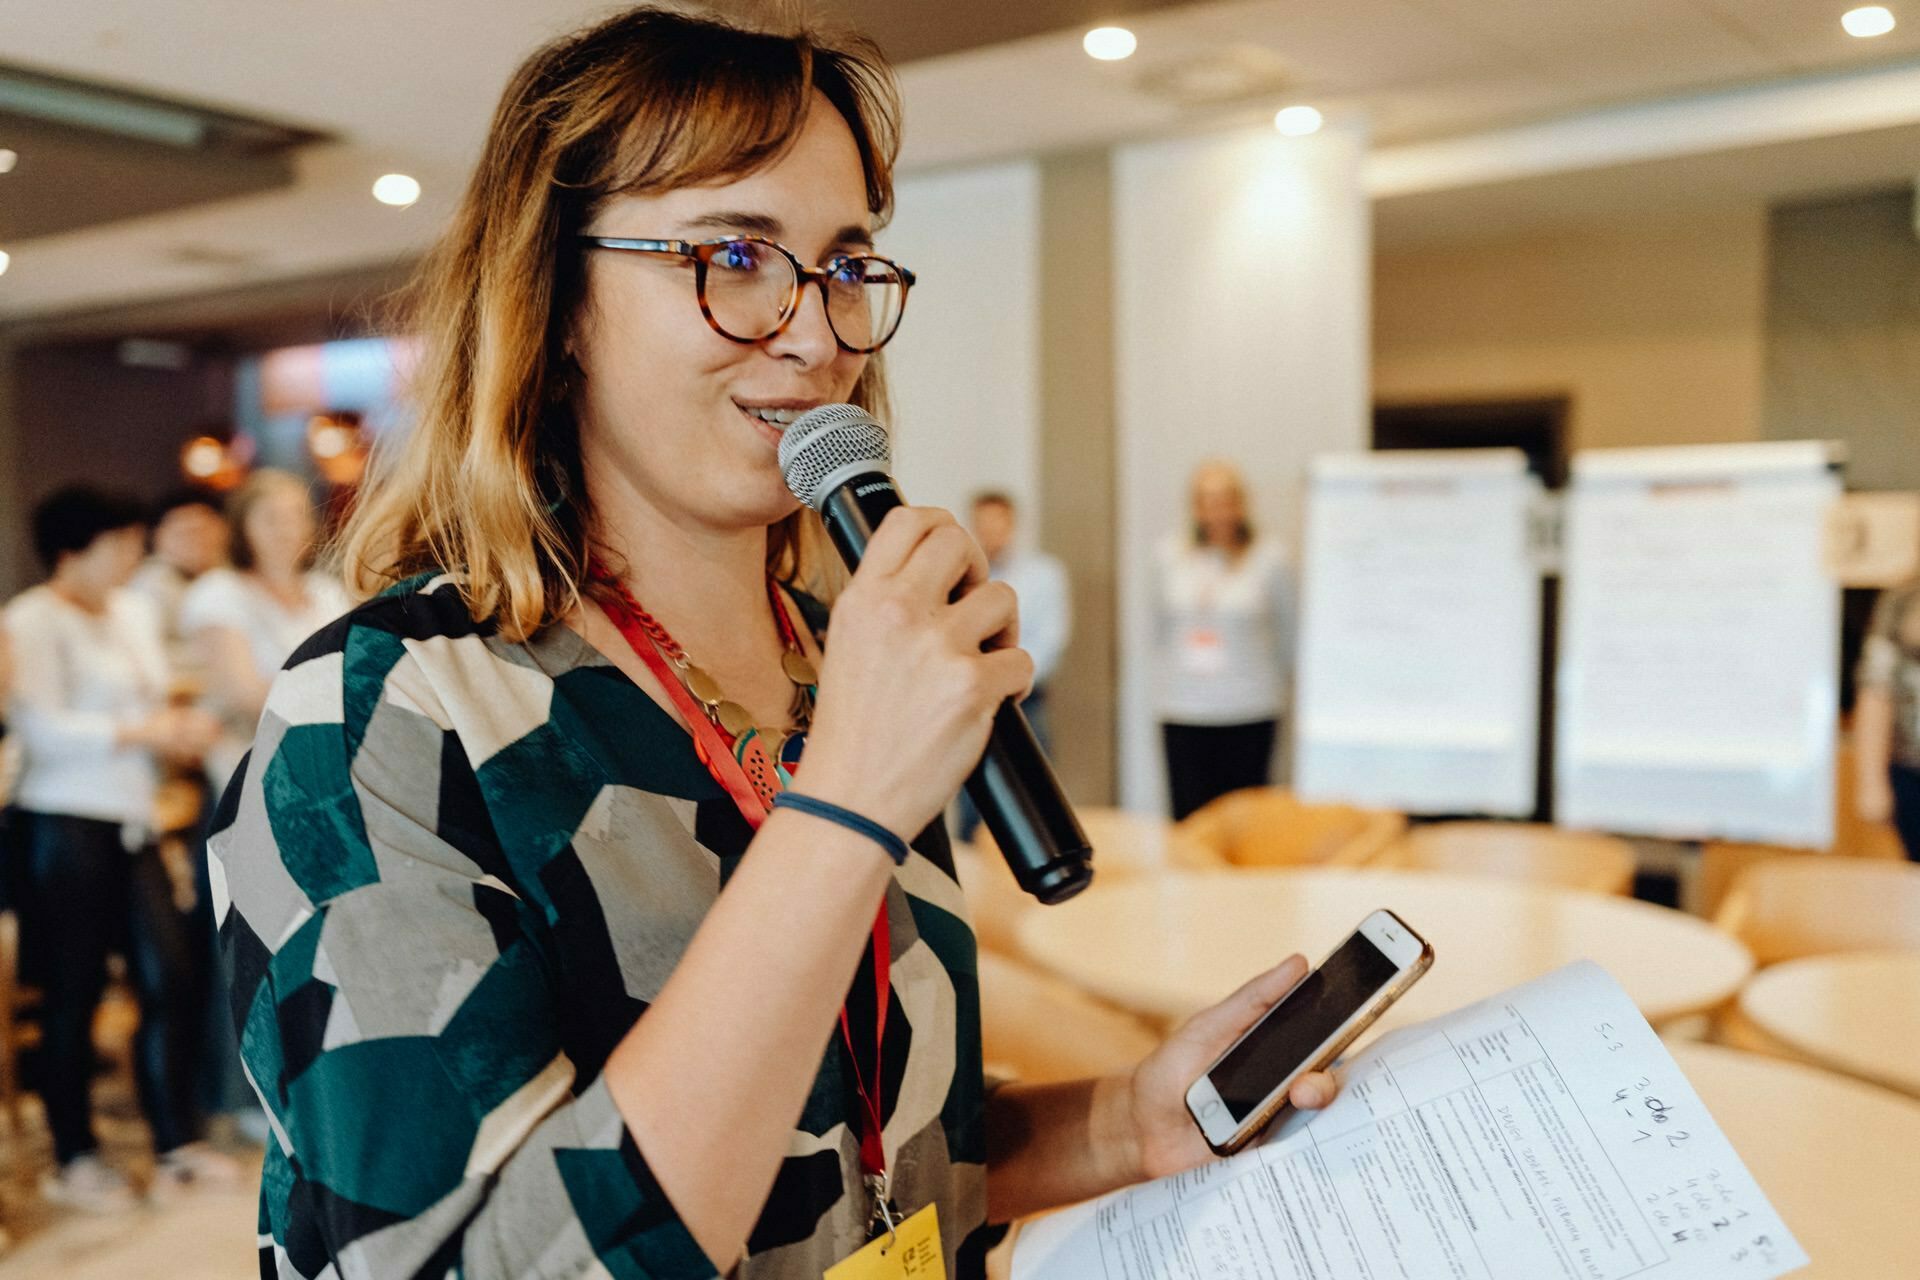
(1241, 331)
(965, 369)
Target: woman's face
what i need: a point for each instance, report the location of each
(1219, 506)
(108, 563)
(665, 403)
(279, 529)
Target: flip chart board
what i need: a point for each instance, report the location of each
(1418, 669)
(1699, 643)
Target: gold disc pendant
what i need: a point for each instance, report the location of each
(702, 685)
(798, 669)
(733, 718)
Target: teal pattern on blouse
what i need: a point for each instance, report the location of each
(450, 875)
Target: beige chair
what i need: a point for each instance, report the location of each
(1786, 907)
(1518, 851)
(1722, 861)
(1039, 1029)
(1270, 827)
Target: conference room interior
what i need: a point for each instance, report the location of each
(1517, 317)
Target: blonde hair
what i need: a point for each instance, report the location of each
(259, 486)
(1219, 469)
(488, 484)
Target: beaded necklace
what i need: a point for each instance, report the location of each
(767, 754)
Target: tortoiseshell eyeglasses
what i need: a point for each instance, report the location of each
(751, 288)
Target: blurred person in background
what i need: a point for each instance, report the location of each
(1886, 716)
(1046, 611)
(544, 973)
(244, 619)
(9, 766)
(189, 538)
(1223, 625)
(89, 704)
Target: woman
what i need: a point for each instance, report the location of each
(523, 987)
(242, 622)
(89, 706)
(1225, 615)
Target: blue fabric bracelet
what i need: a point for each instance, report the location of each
(896, 847)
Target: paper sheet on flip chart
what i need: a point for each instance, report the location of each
(1541, 1134)
(1419, 655)
(1699, 644)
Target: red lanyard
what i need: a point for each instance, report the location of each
(717, 754)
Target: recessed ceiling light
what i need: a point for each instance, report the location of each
(8, 159)
(396, 189)
(1109, 44)
(1298, 122)
(1872, 20)
(5, 258)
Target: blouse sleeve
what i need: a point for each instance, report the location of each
(216, 599)
(51, 730)
(395, 998)
(1880, 653)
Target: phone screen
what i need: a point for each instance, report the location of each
(1300, 1024)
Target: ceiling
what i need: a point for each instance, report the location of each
(81, 177)
(910, 31)
(408, 85)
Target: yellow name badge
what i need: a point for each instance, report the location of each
(912, 1250)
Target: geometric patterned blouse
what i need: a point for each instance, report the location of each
(449, 876)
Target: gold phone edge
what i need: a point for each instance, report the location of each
(1258, 1125)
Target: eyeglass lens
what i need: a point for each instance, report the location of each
(751, 286)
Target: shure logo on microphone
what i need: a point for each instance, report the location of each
(872, 486)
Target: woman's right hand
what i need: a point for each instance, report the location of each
(908, 692)
(181, 735)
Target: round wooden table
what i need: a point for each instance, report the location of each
(1839, 1159)
(1858, 1013)
(1174, 944)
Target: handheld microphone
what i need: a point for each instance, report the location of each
(836, 459)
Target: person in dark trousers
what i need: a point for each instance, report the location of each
(89, 704)
(1223, 623)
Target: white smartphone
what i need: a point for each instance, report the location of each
(1246, 1087)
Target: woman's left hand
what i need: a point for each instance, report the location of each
(1167, 1138)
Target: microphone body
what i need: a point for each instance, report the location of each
(1013, 786)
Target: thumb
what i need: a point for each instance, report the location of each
(1228, 1020)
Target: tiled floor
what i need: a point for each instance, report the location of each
(206, 1235)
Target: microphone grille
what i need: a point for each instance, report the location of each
(821, 448)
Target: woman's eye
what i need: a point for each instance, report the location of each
(848, 272)
(738, 257)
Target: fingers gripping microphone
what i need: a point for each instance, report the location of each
(836, 460)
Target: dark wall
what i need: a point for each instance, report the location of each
(1843, 333)
(76, 413)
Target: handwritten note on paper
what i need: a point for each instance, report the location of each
(1544, 1134)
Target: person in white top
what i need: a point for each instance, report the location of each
(1046, 612)
(245, 621)
(89, 706)
(1223, 627)
(189, 539)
